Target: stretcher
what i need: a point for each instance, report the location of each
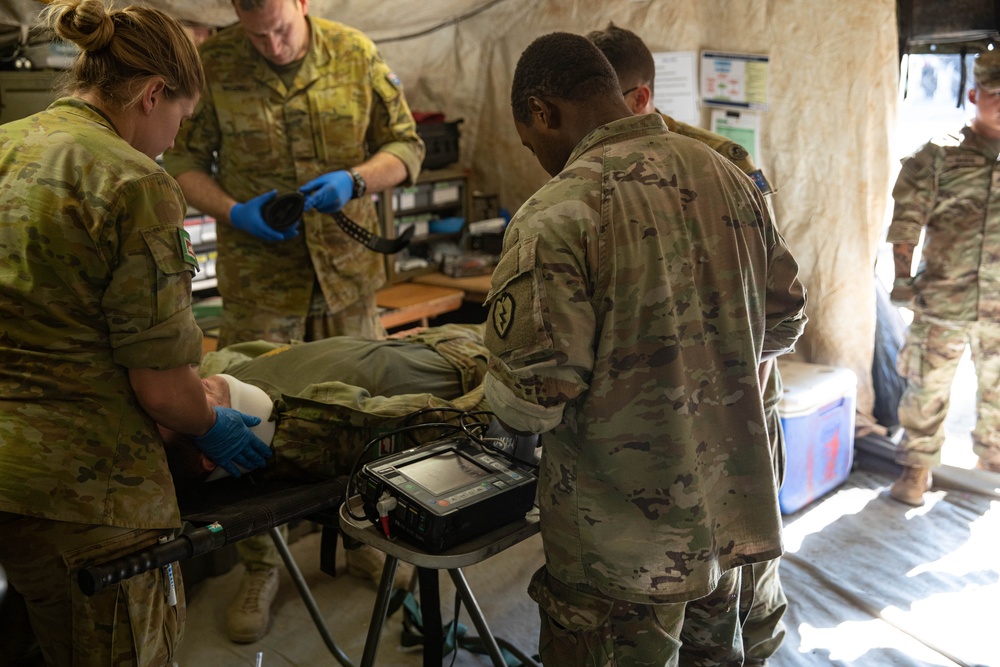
(229, 510)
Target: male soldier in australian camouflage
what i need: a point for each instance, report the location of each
(283, 111)
(948, 189)
(763, 630)
(293, 102)
(636, 297)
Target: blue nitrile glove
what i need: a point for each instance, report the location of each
(328, 193)
(230, 443)
(247, 217)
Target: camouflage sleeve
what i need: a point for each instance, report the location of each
(914, 195)
(785, 316)
(148, 301)
(197, 140)
(540, 287)
(392, 129)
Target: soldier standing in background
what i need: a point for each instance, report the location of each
(293, 102)
(763, 630)
(948, 190)
(98, 340)
(619, 331)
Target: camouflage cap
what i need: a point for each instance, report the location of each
(987, 69)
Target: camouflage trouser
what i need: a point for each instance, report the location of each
(242, 322)
(763, 630)
(928, 361)
(129, 623)
(584, 628)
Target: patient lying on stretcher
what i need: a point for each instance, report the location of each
(321, 402)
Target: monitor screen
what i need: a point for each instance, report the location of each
(444, 472)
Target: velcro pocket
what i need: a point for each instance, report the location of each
(171, 248)
(387, 87)
(574, 610)
(516, 328)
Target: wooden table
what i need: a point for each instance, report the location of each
(406, 303)
(475, 287)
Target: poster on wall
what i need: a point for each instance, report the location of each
(675, 86)
(743, 127)
(736, 80)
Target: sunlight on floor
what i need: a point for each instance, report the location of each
(848, 501)
(984, 537)
(850, 641)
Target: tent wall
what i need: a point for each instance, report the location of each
(825, 138)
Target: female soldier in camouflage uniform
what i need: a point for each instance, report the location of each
(98, 338)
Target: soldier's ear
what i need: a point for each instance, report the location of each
(152, 94)
(544, 113)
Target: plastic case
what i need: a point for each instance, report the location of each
(817, 415)
(441, 142)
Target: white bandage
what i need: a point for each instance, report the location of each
(254, 401)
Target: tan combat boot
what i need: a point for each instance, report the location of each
(249, 615)
(911, 485)
(366, 562)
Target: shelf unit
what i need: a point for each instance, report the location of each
(437, 195)
(202, 229)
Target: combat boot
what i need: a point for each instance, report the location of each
(366, 562)
(249, 615)
(911, 485)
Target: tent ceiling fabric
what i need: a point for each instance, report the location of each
(832, 91)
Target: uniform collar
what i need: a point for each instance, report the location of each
(618, 130)
(86, 110)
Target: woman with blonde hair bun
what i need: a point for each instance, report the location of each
(98, 339)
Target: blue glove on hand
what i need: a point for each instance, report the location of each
(247, 217)
(230, 443)
(328, 193)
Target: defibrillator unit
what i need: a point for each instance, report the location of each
(447, 492)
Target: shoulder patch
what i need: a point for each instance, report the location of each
(761, 182)
(503, 314)
(394, 79)
(736, 152)
(187, 248)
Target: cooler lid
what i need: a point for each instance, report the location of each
(808, 387)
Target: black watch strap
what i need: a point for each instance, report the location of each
(360, 185)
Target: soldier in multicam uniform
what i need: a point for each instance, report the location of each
(293, 102)
(948, 190)
(763, 630)
(637, 295)
(98, 338)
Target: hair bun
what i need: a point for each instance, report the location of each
(86, 23)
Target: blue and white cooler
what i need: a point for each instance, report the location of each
(817, 415)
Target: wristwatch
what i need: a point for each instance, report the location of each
(360, 186)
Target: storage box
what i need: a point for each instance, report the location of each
(817, 415)
(441, 142)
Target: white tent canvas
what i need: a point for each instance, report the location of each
(824, 139)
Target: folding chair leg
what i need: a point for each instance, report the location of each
(472, 606)
(380, 611)
(307, 597)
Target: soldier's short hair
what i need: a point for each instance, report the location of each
(986, 70)
(121, 49)
(560, 65)
(627, 53)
